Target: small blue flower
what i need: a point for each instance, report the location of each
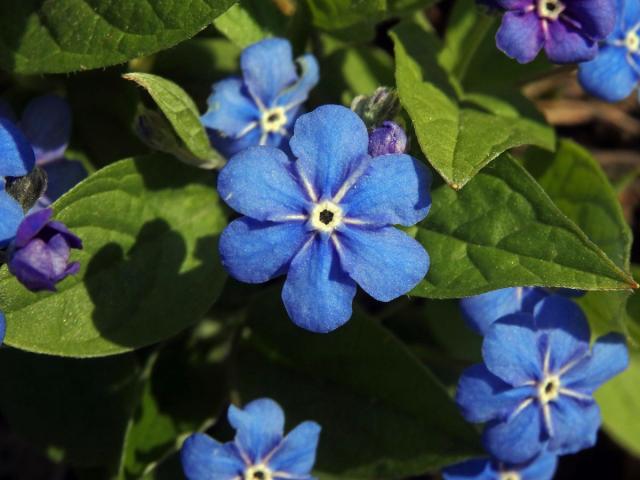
(46, 123)
(259, 450)
(16, 160)
(535, 388)
(261, 107)
(615, 72)
(387, 138)
(540, 468)
(325, 219)
(481, 311)
(39, 253)
(568, 30)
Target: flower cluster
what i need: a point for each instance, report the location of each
(36, 249)
(260, 451)
(534, 391)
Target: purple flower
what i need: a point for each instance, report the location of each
(261, 107)
(535, 389)
(568, 30)
(260, 451)
(39, 254)
(615, 72)
(387, 138)
(46, 124)
(326, 220)
(540, 468)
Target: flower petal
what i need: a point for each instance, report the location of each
(330, 144)
(3, 327)
(10, 217)
(299, 91)
(229, 146)
(62, 176)
(31, 226)
(259, 427)
(475, 469)
(268, 68)
(566, 44)
(231, 109)
(609, 76)
(597, 18)
(385, 262)
(630, 15)
(482, 396)
(541, 468)
(254, 252)
(575, 425)
(46, 122)
(480, 311)
(317, 293)
(259, 182)
(566, 328)
(517, 440)
(16, 154)
(510, 349)
(520, 36)
(609, 357)
(393, 190)
(296, 454)
(203, 458)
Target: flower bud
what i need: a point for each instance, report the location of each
(376, 108)
(388, 138)
(39, 254)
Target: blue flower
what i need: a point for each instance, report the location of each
(387, 138)
(481, 311)
(39, 253)
(46, 124)
(259, 450)
(535, 388)
(568, 30)
(325, 219)
(260, 107)
(615, 72)
(540, 468)
(16, 160)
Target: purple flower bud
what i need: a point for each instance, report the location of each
(39, 254)
(388, 138)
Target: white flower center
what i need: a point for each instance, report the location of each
(632, 41)
(509, 476)
(549, 389)
(550, 9)
(326, 216)
(258, 472)
(273, 120)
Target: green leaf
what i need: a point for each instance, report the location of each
(250, 21)
(149, 264)
(503, 230)
(383, 414)
(184, 390)
(577, 185)
(66, 35)
(182, 113)
(459, 132)
(620, 405)
(76, 410)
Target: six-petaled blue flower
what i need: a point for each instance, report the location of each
(259, 450)
(535, 388)
(568, 30)
(39, 254)
(540, 468)
(261, 107)
(46, 124)
(325, 219)
(481, 311)
(615, 71)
